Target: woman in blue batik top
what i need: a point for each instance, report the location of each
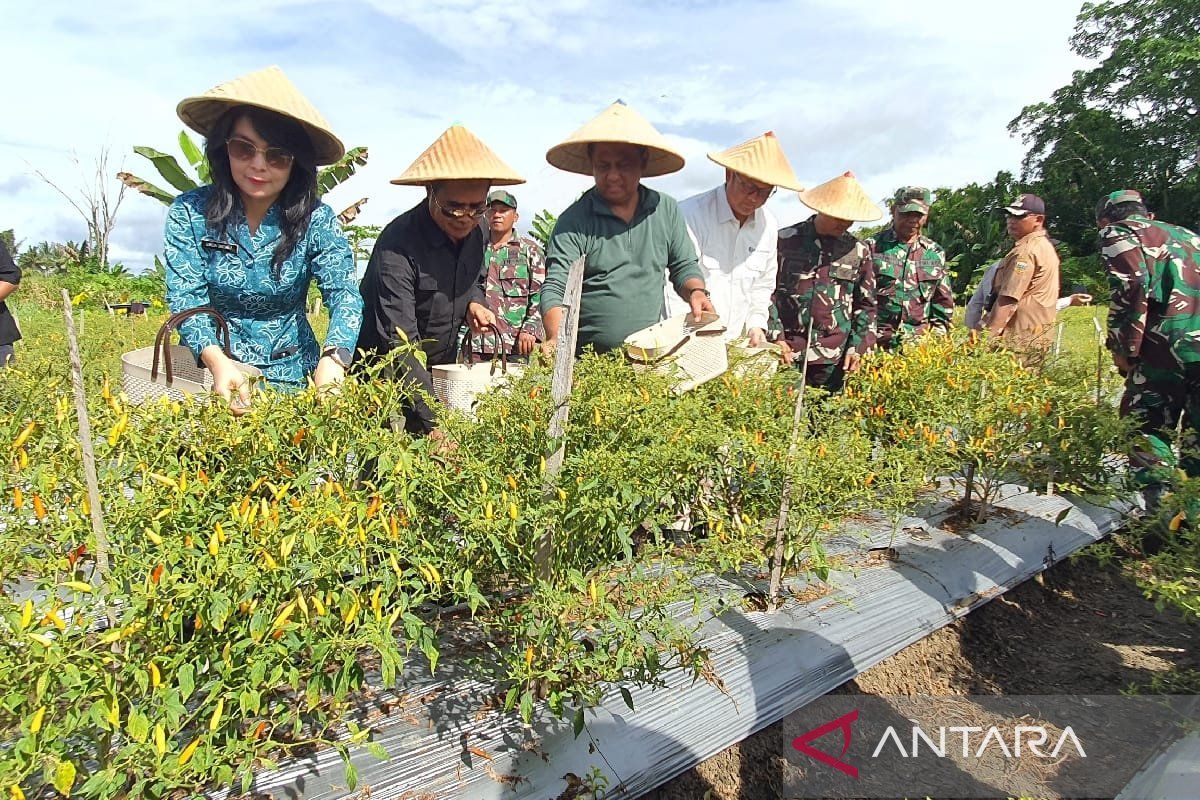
(250, 243)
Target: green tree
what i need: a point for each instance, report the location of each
(967, 223)
(1132, 121)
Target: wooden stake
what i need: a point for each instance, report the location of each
(1099, 357)
(560, 393)
(85, 441)
(774, 601)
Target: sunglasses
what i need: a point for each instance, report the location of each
(460, 212)
(241, 149)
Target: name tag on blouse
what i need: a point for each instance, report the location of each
(224, 247)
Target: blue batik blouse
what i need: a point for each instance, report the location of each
(231, 271)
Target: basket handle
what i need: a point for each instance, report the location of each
(500, 354)
(162, 340)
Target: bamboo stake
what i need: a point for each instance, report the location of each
(774, 602)
(85, 441)
(1099, 357)
(560, 393)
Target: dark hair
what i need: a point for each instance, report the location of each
(298, 198)
(1120, 211)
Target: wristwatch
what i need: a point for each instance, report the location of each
(707, 293)
(340, 355)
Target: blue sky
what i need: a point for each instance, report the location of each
(900, 93)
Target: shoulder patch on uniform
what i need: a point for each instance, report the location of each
(1022, 265)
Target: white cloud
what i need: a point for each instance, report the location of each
(900, 93)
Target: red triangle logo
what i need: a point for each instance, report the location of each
(844, 723)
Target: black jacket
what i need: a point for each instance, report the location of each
(419, 281)
(10, 273)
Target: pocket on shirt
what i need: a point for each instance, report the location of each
(427, 283)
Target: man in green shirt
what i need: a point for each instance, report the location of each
(632, 236)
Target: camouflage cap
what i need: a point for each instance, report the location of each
(912, 198)
(1123, 196)
(501, 196)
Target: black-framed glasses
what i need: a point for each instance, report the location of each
(765, 192)
(460, 211)
(241, 149)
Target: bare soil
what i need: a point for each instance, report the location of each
(1078, 629)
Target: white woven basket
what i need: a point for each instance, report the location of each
(690, 353)
(140, 385)
(176, 375)
(746, 361)
(459, 385)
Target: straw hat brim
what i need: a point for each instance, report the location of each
(768, 176)
(201, 114)
(617, 124)
(270, 90)
(842, 198)
(458, 155)
(761, 159)
(573, 157)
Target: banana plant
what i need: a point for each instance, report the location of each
(174, 174)
(543, 226)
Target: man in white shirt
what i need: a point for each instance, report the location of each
(735, 236)
(973, 318)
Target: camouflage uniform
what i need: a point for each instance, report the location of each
(912, 287)
(513, 275)
(1154, 322)
(833, 281)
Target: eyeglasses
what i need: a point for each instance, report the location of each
(460, 211)
(245, 150)
(765, 192)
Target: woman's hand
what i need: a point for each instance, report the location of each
(328, 373)
(228, 381)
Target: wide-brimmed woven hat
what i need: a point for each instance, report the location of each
(620, 124)
(270, 89)
(458, 155)
(762, 159)
(844, 198)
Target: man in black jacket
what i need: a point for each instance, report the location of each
(10, 276)
(424, 279)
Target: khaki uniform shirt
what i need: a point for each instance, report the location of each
(1029, 275)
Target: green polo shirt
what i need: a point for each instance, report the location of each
(627, 264)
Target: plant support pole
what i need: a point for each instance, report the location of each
(560, 394)
(85, 441)
(1099, 358)
(773, 600)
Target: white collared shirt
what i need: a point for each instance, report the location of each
(738, 261)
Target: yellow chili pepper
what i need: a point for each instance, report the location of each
(24, 435)
(160, 740)
(215, 721)
(188, 751)
(35, 723)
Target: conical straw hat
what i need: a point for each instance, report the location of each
(762, 159)
(458, 155)
(844, 198)
(270, 89)
(621, 124)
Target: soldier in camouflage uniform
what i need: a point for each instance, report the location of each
(825, 275)
(1154, 329)
(514, 269)
(911, 281)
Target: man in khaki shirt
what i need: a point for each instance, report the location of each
(1021, 307)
